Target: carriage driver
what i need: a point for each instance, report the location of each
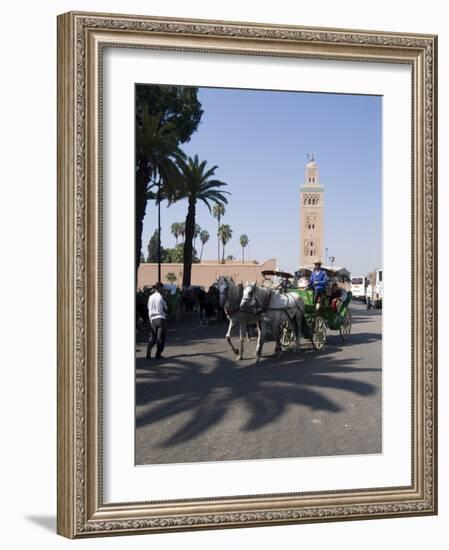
(318, 281)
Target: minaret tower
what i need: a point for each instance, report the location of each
(311, 212)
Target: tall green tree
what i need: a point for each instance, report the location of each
(225, 233)
(244, 240)
(177, 112)
(198, 184)
(204, 237)
(157, 173)
(176, 104)
(218, 212)
(153, 248)
(176, 255)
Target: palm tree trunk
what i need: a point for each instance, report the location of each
(243, 254)
(218, 238)
(188, 244)
(142, 178)
(201, 255)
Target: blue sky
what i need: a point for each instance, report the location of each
(259, 140)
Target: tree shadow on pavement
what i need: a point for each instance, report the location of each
(205, 394)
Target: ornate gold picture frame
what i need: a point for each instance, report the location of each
(82, 38)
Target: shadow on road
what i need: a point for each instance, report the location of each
(208, 393)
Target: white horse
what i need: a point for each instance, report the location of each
(275, 307)
(230, 296)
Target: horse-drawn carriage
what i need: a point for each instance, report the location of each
(284, 305)
(331, 312)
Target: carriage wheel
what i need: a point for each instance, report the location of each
(345, 329)
(319, 333)
(286, 334)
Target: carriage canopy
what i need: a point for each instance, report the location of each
(272, 273)
(340, 273)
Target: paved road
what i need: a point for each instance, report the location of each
(199, 404)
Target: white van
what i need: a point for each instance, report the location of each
(358, 286)
(375, 289)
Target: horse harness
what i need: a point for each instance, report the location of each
(264, 308)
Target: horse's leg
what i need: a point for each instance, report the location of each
(243, 329)
(278, 347)
(277, 335)
(228, 336)
(260, 339)
(298, 319)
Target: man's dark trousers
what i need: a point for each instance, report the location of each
(317, 293)
(158, 331)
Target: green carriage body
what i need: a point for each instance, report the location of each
(334, 320)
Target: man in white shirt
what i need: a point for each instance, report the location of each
(157, 312)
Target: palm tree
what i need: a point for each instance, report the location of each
(196, 234)
(182, 230)
(204, 237)
(157, 175)
(175, 227)
(197, 185)
(171, 277)
(225, 233)
(218, 211)
(243, 243)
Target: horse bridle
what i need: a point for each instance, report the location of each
(230, 310)
(224, 293)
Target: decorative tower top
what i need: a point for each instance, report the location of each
(312, 176)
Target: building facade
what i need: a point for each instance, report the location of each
(205, 273)
(311, 215)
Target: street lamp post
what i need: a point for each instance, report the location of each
(159, 259)
(325, 258)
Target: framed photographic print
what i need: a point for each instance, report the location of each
(246, 274)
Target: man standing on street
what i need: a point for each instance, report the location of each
(157, 312)
(317, 282)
